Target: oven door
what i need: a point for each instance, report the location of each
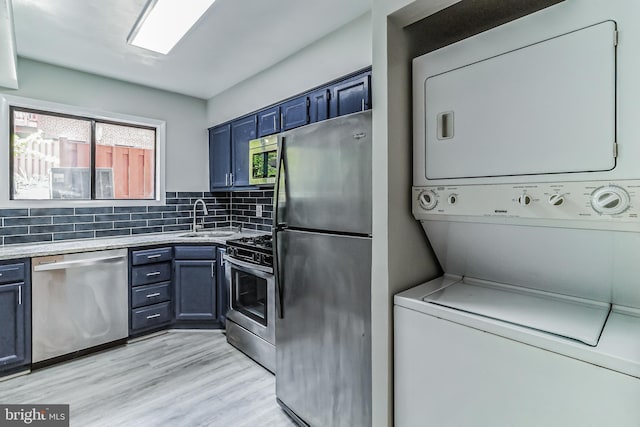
(252, 297)
(263, 158)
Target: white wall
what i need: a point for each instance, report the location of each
(402, 257)
(187, 147)
(343, 51)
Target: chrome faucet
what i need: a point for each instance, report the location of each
(204, 210)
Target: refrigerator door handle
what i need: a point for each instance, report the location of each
(276, 218)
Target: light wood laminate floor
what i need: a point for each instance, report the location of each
(181, 378)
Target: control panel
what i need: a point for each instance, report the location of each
(583, 201)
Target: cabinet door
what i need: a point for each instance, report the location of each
(350, 96)
(13, 333)
(195, 285)
(269, 121)
(295, 113)
(319, 105)
(242, 131)
(220, 157)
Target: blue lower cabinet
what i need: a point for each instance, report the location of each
(15, 317)
(195, 288)
(151, 290)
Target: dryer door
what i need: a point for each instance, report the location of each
(545, 108)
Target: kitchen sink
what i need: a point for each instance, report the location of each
(210, 234)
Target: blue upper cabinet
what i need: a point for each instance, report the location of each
(319, 105)
(295, 113)
(269, 121)
(242, 131)
(220, 157)
(350, 96)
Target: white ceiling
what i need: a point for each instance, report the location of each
(233, 41)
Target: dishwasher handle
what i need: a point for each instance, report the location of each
(49, 266)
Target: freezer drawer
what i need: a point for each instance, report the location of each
(544, 108)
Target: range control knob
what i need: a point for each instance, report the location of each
(452, 199)
(525, 199)
(428, 199)
(556, 199)
(610, 200)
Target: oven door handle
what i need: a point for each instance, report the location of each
(247, 265)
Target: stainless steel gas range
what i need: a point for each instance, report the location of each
(251, 315)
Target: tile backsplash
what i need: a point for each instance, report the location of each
(35, 225)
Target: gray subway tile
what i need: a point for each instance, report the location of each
(30, 220)
(113, 233)
(102, 210)
(38, 229)
(161, 208)
(144, 230)
(91, 226)
(31, 238)
(113, 217)
(182, 227)
(12, 231)
(72, 219)
(14, 212)
(129, 224)
(73, 235)
(129, 209)
(151, 215)
(50, 211)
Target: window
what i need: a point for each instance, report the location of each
(55, 156)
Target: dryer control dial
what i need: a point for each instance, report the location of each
(428, 199)
(610, 200)
(556, 199)
(525, 199)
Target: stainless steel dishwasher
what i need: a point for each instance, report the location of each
(79, 301)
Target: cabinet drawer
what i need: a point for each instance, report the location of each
(150, 316)
(150, 255)
(195, 252)
(150, 294)
(153, 273)
(12, 273)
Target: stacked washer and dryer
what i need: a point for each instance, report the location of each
(527, 184)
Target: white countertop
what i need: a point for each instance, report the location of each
(88, 245)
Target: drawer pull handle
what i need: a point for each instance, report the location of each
(155, 273)
(154, 256)
(153, 316)
(157, 294)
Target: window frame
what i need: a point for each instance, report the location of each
(9, 103)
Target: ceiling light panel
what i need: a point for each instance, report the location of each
(164, 22)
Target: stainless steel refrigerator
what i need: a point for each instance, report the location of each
(322, 240)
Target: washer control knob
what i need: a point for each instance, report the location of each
(427, 199)
(610, 200)
(556, 199)
(525, 199)
(452, 199)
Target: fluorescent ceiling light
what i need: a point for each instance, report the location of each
(164, 22)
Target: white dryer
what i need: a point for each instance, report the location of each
(526, 181)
